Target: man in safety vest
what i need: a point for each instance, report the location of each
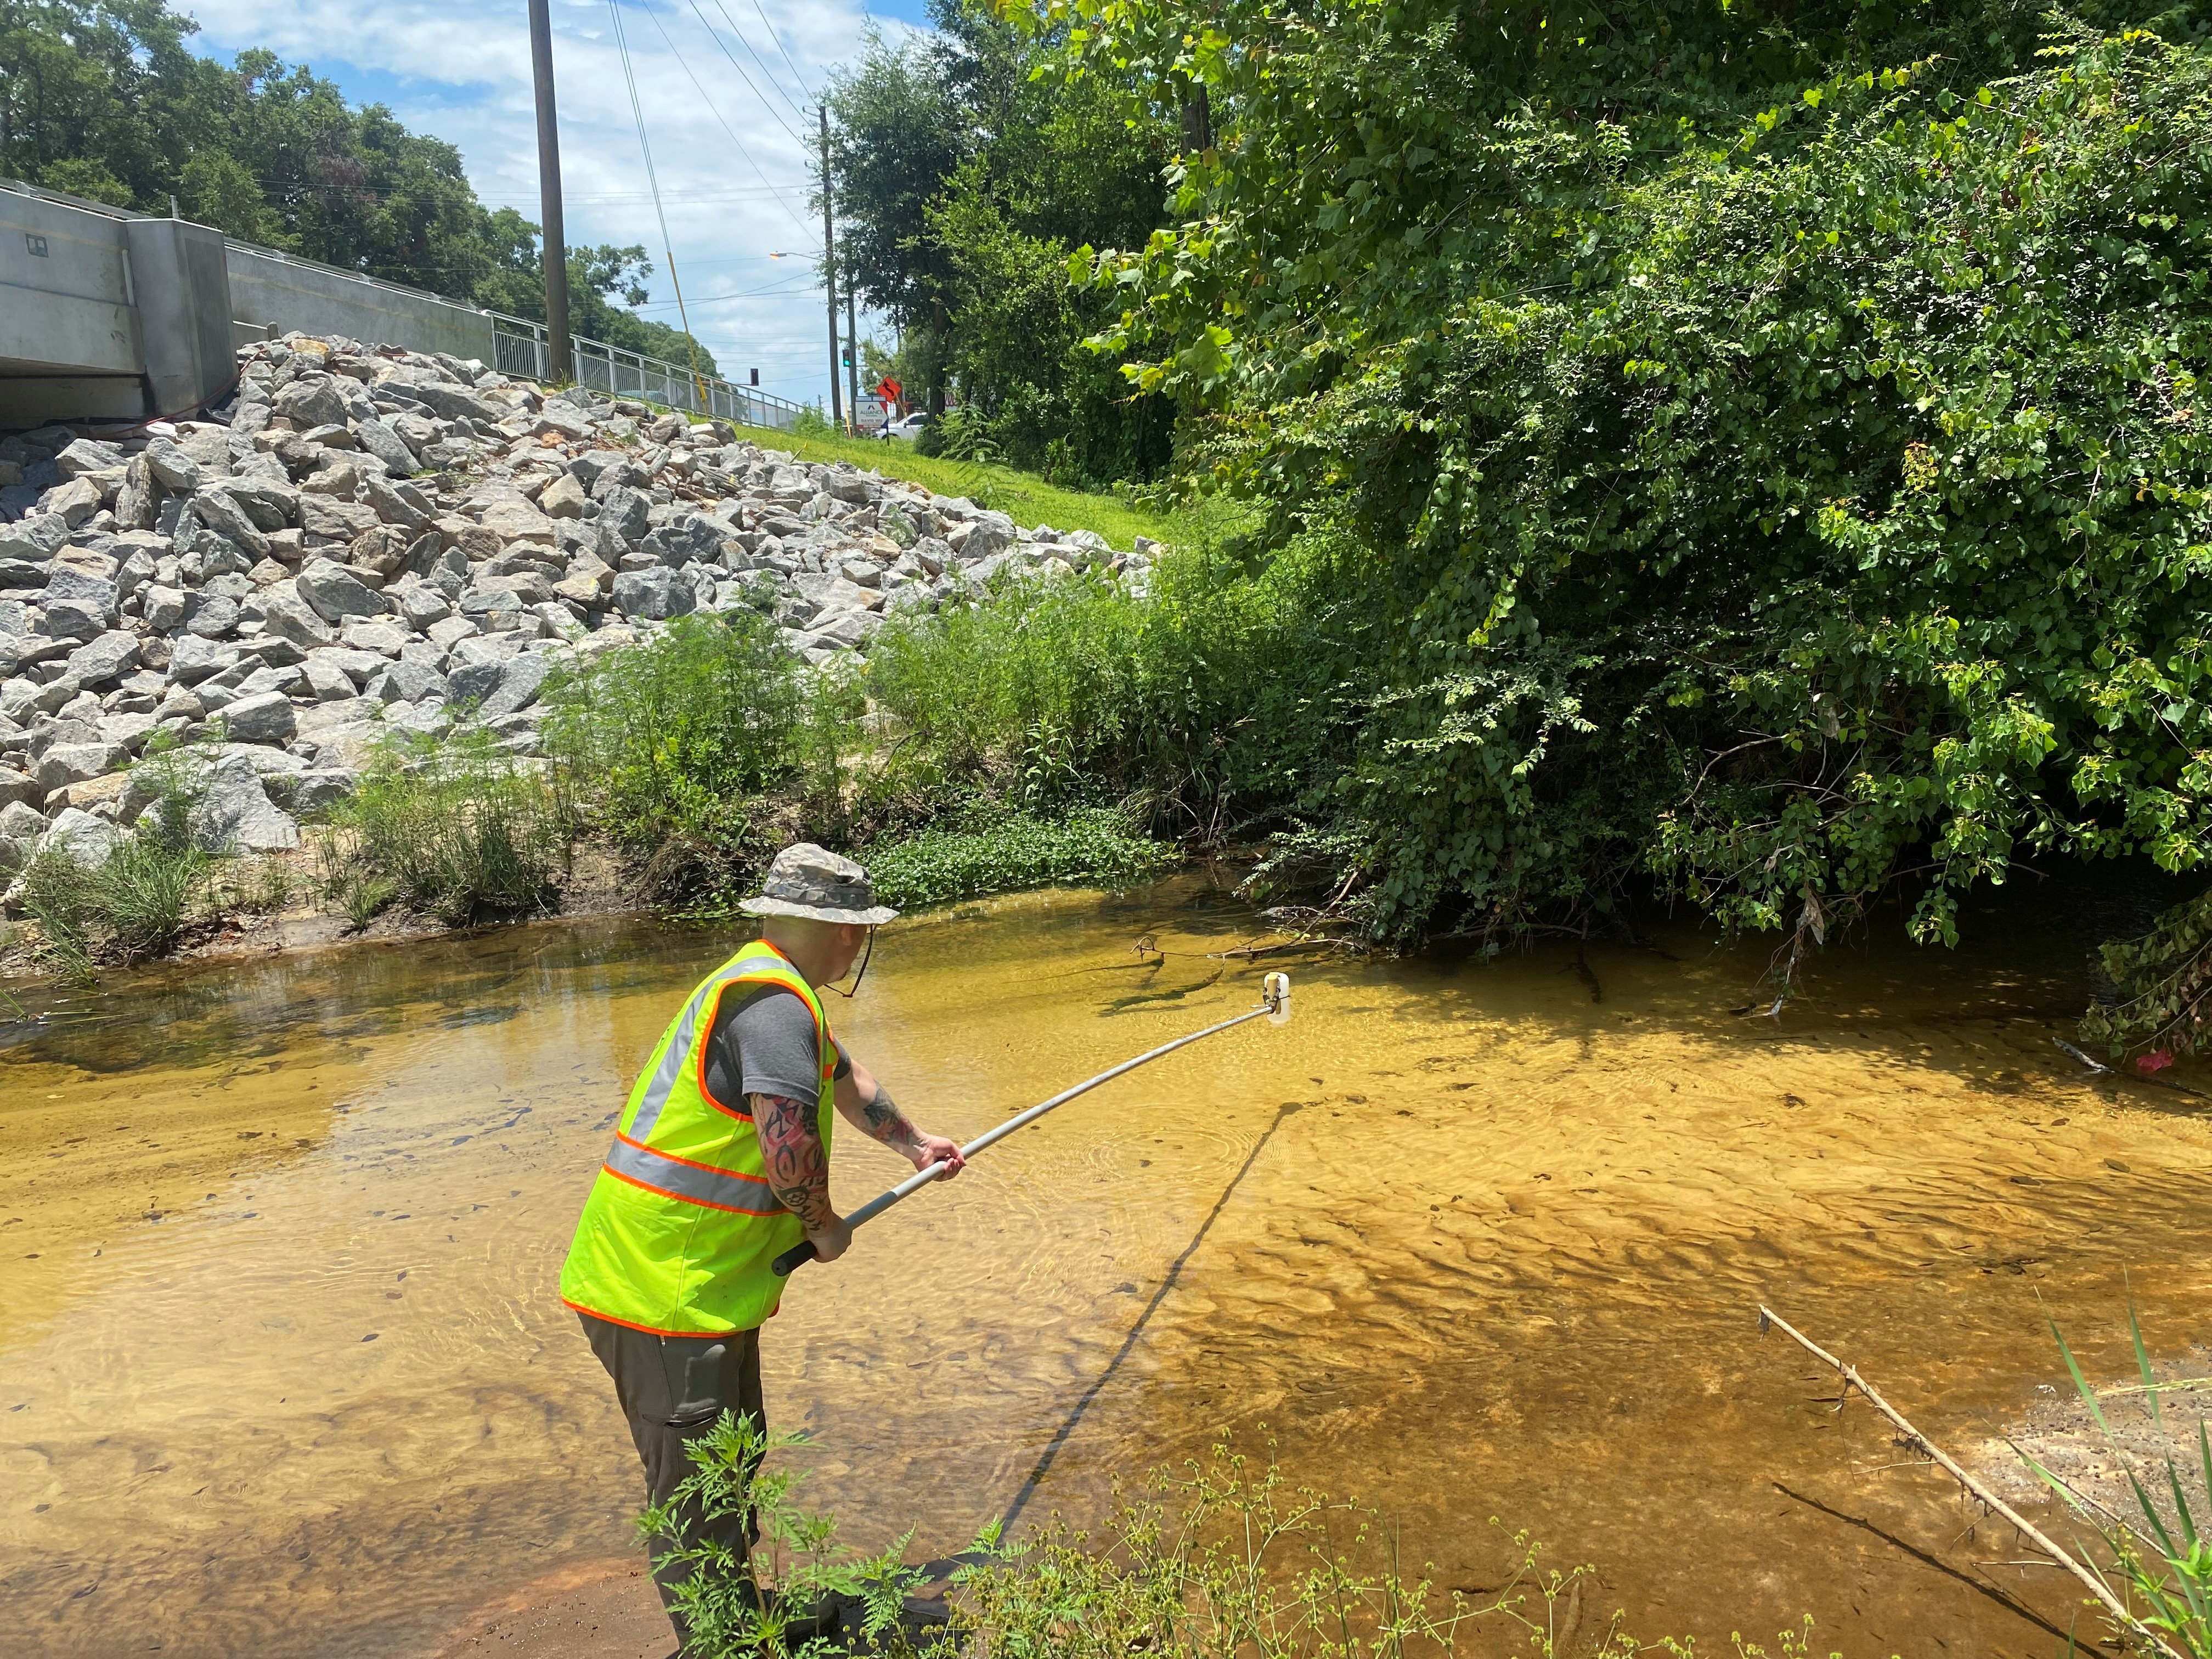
(720, 1163)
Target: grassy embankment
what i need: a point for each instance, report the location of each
(1023, 496)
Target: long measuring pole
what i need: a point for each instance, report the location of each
(559, 366)
(1274, 1003)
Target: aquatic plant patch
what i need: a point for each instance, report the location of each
(1093, 846)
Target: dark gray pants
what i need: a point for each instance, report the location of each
(673, 1388)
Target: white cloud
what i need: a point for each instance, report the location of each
(732, 159)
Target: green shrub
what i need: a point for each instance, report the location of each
(453, 825)
(1090, 845)
(1222, 698)
(682, 750)
(748, 1607)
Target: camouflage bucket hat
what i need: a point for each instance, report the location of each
(807, 880)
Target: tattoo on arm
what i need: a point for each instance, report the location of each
(791, 1145)
(887, 1124)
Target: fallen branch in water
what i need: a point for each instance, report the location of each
(2098, 1068)
(1920, 1443)
(1248, 952)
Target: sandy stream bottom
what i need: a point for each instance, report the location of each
(283, 1371)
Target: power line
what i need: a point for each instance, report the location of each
(767, 106)
(686, 65)
(795, 74)
(652, 179)
(765, 72)
(717, 299)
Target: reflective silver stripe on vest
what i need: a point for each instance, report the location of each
(677, 1055)
(747, 1194)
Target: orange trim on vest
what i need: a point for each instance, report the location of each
(692, 1163)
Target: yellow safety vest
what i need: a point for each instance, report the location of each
(681, 1226)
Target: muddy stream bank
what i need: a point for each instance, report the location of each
(282, 1370)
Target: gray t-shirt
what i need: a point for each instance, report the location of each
(762, 1044)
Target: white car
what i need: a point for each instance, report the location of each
(907, 426)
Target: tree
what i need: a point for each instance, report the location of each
(1753, 450)
(963, 184)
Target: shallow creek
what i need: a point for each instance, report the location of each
(283, 1370)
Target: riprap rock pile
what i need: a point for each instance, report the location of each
(379, 538)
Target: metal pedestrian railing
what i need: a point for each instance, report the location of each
(524, 351)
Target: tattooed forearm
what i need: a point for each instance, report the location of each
(887, 1124)
(791, 1145)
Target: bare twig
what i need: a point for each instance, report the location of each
(1920, 1443)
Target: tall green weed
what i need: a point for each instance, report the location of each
(452, 824)
(1212, 1560)
(2160, 1553)
(702, 749)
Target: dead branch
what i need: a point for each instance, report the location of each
(1920, 1443)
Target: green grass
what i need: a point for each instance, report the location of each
(1023, 496)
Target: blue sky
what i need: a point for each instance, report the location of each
(732, 157)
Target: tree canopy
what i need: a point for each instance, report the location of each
(963, 179)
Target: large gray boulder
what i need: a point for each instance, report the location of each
(287, 615)
(263, 717)
(655, 593)
(315, 792)
(66, 763)
(690, 539)
(35, 538)
(992, 533)
(624, 511)
(387, 445)
(194, 660)
(235, 812)
(89, 455)
(520, 680)
(170, 467)
(104, 660)
(312, 400)
(220, 510)
(453, 403)
(333, 519)
(85, 841)
(80, 596)
(211, 616)
(335, 593)
(410, 682)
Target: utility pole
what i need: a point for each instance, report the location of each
(852, 352)
(829, 270)
(560, 359)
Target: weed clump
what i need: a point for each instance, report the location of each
(1211, 1560)
(451, 824)
(135, 902)
(698, 752)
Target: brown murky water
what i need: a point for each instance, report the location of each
(282, 1370)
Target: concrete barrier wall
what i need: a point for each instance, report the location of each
(109, 315)
(268, 290)
(69, 336)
